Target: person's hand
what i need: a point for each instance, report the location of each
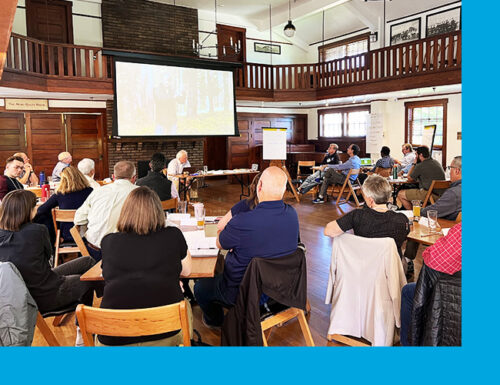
(28, 168)
(400, 173)
(322, 168)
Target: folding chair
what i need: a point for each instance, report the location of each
(436, 185)
(304, 163)
(278, 319)
(350, 189)
(66, 216)
(169, 204)
(58, 316)
(133, 323)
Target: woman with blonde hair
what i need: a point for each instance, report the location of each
(69, 195)
(142, 264)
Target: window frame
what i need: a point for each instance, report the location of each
(354, 39)
(428, 103)
(345, 122)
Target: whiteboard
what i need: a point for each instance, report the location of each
(274, 143)
(375, 133)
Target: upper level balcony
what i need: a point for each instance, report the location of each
(36, 65)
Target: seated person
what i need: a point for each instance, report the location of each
(407, 161)
(243, 205)
(65, 160)
(330, 158)
(28, 247)
(448, 206)
(331, 175)
(384, 162)
(424, 171)
(156, 180)
(101, 209)
(69, 195)
(139, 271)
(248, 235)
(28, 176)
(9, 181)
(444, 256)
(87, 167)
(376, 220)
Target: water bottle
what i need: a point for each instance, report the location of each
(45, 191)
(394, 172)
(42, 178)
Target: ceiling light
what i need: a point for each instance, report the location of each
(289, 29)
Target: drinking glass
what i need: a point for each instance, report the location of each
(199, 213)
(416, 209)
(205, 170)
(182, 207)
(432, 217)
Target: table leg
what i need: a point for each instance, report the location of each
(242, 184)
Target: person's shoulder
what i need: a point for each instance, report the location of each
(400, 217)
(34, 228)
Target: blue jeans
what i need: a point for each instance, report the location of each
(407, 295)
(310, 182)
(210, 297)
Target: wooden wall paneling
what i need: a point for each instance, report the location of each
(224, 35)
(85, 139)
(12, 137)
(48, 139)
(50, 21)
(238, 147)
(215, 152)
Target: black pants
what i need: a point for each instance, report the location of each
(72, 289)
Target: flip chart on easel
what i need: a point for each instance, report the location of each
(274, 143)
(428, 136)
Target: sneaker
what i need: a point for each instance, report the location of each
(318, 180)
(319, 200)
(79, 338)
(207, 325)
(410, 269)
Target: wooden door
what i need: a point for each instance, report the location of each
(50, 20)
(238, 147)
(85, 140)
(224, 35)
(46, 139)
(12, 137)
(215, 155)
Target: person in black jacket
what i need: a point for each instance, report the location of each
(156, 179)
(27, 246)
(330, 158)
(14, 166)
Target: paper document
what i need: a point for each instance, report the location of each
(188, 222)
(196, 241)
(408, 213)
(177, 217)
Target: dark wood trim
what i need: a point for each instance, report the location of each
(69, 11)
(430, 103)
(339, 43)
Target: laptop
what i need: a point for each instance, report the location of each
(366, 161)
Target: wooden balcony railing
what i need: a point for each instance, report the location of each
(59, 60)
(434, 54)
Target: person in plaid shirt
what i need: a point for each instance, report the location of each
(444, 256)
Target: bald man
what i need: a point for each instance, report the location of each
(269, 231)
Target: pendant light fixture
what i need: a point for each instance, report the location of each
(289, 29)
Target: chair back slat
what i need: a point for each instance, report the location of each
(169, 204)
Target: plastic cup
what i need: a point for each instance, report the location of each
(181, 207)
(432, 218)
(416, 209)
(199, 213)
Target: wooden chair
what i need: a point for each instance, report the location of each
(66, 216)
(347, 340)
(284, 316)
(79, 241)
(349, 188)
(58, 317)
(304, 163)
(459, 217)
(169, 204)
(133, 323)
(436, 185)
(385, 172)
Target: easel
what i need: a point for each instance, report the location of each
(281, 164)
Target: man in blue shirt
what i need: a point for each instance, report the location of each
(334, 177)
(270, 230)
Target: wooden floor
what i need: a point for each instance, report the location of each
(218, 198)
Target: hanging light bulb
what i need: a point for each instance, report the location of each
(289, 29)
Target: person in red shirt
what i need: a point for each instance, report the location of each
(444, 256)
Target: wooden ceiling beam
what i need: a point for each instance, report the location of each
(6, 21)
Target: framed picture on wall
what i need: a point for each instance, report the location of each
(406, 31)
(443, 22)
(267, 48)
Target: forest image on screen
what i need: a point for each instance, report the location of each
(161, 100)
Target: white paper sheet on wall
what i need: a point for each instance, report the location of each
(274, 143)
(375, 133)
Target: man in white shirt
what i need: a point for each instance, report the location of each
(176, 167)
(407, 161)
(101, 209)
(87, 168)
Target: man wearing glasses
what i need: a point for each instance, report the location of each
(28, 176)
(13, 169)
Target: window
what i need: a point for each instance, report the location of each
(344, 122)
(349, 47)
(424, 113)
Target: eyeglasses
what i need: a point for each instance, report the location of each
(450, 167)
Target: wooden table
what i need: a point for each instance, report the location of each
(187, 180)
(420, 233)
(201, 267)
